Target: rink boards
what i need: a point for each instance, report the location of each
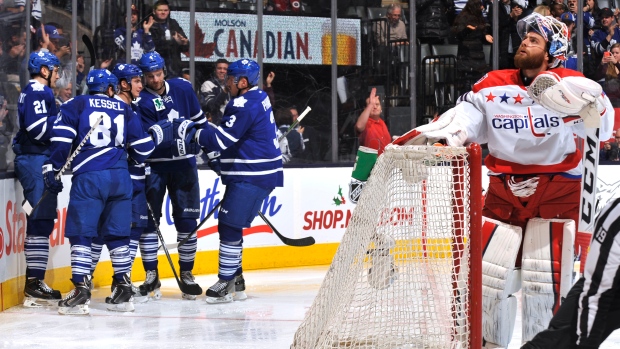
(313, 201)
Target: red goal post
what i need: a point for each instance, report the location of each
(408, 271)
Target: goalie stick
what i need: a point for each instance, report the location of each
(182, 286)
(25, 204)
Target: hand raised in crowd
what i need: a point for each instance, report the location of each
(146, 25)
(105, 64)
(17, 51)
(180, 39)
(489, 38)
(79, 64)
(63, 51)
(269, 78)
(45, 37)
(606, 59)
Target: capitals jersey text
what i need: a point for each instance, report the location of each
(106, 146)
(523, 137)
(246, 138)
(36, 113)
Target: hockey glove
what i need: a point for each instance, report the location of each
(52, 184)
(448, 127)
(161, 131)
(214, 162)
(182, 148)
(184, 129)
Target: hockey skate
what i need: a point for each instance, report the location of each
(121, 298)
(76, 302)
(38, 294)
(190, 288)
(151, 285)
(137, 296)
(240, 289)
(222, 291)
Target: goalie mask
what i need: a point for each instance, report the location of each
(555, 33)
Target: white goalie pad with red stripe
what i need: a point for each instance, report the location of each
(500, 280)
(547, 270)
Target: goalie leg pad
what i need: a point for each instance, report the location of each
(547, 268)
(499, 280)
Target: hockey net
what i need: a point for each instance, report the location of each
(407, 273)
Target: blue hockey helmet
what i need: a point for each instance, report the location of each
(151, 61)
(126, 71)
(98, 80)
(40, 59)
(245, 68)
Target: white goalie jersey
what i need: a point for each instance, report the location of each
(523, 137)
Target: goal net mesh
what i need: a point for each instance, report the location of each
(400, 276)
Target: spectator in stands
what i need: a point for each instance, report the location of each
(472, 32)
(509, 12)
(370, 128)
(169, 38)
(268, 88)
(395, 29)
(543, 10)
(434, 18)
(286, 117)
(557, 9)
(13, 51)
(213, 93)
(47, 38)
(63, 90)
(591, 6)
(608, 72)
(288, 6)
(609, 152)
(609, 34)
(141, 39)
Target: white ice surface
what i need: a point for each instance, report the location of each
(276, 304)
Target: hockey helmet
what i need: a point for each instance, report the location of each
(151, 61)
(245, 68)
(126, 71)
(40, 59)
(98, 80)
(553, 31)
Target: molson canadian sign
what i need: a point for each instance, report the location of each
(286, 39)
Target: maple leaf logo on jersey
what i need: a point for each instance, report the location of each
(240, 102)
(38, 87)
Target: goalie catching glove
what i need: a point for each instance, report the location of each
(572, 95)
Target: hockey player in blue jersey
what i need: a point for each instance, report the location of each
(170, 100)
(36, 112)
(100, 197)
(251, 167)
(129, 86)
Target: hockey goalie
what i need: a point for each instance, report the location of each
(528, 117)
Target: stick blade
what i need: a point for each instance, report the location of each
(26, 207)
(303, 242)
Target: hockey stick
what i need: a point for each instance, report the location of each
(25, 204)
(307, 241)
(91, 50)
(163, 243)
(292, 127)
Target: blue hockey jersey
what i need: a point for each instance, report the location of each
(178, 101)
(37, 111)
(108, 142)
(246, 138)
(140, 43)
